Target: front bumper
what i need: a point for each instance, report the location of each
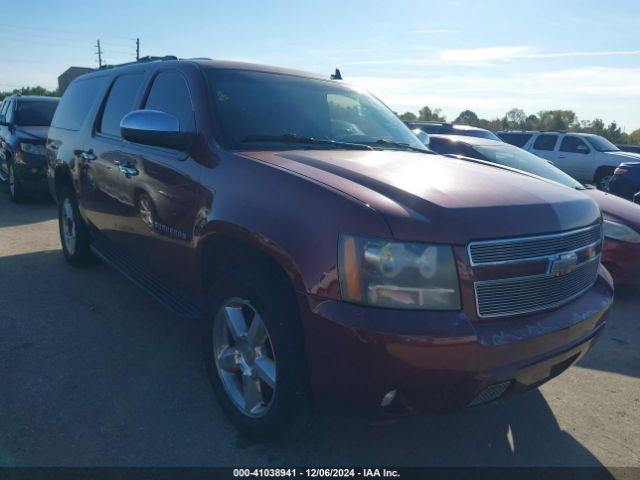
(622, 259)
(31, 171)
(440, 360)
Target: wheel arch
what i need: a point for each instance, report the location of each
(228, 247)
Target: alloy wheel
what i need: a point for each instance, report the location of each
(68, 226)
(604, 183)
(244, 357)
(12, 181)
(146, 212)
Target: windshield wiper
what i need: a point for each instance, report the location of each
(405, 146)
(292, 138)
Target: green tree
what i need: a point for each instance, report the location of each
(467, 118)
(408, 116)
(634, 137)
(516, 118)
(30, 91)
(426, 114)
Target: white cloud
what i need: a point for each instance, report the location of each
(482, 55)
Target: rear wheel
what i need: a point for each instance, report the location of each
(16, 192)
(74, 235)
(255, 357)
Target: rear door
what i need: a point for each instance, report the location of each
(575, 156)
(107, 193)
(545, 146)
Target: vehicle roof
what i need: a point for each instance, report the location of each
(557, 132)
(35, 97)
(208, 63)
(479, 141)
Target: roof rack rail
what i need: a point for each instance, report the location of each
(148, 58)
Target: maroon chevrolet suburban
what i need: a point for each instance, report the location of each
(332, 260)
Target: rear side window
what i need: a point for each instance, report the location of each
(76, 103)
(570, 144)
(545, 142)
(119, 102)
(515, 139)
(170, 94)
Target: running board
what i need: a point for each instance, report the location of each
(173, 301)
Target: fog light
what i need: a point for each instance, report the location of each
(388, 398)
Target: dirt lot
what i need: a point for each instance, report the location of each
(94, 372)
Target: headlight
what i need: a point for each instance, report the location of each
(619, 231)
(390, 274)
(32, 148)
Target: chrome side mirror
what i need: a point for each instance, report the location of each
(155, 128)
(422, 136)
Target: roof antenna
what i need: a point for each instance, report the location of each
(337, 75)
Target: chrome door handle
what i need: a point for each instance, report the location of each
(128, 170)
(88, 156)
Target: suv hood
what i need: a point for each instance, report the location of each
(624, 155)
(439, 199)
(32, 133)
(617, 208)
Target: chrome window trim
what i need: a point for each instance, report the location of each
(526, 239)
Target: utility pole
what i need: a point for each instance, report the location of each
(137, 49)
(99, 52)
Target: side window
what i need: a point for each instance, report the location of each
(119, 102)
(573, 144)
(76, 103)
(9, 111)
(3, 106)
(516, 139)
(443, 146)
(545, 142)
(170, 94)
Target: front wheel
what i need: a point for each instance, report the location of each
(15, 187)
(74, 235)
(255, 356)
(603, 179)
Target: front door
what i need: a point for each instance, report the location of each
(575, 156)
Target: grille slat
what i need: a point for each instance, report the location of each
(542, 293)
(514, 296)
(488, 252)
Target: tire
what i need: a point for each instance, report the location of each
(16, 192)
(283, 409)
(603, 178)
(74, 234)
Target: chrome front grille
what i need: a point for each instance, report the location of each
(493, 252)
(572, 262)
(497, 298)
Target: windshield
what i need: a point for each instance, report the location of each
(275, 110)
(515, 157)
(601, 144)
(34, 113)
(476, 133)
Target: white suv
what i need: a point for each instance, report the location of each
(587, 158)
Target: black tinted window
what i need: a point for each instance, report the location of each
(570, 144)
(169, 93)
(545, 142)
(447, 147)
(76, 103)
(120, 102)
(516, 139)
(32, 113)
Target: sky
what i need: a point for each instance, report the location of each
(486, 56)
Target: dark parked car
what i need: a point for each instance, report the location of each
(452, 129)
(24, 123)
(625, 182)
(332, 261)
(629, 148)
(621, 254)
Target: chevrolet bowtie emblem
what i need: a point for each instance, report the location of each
(563, 264)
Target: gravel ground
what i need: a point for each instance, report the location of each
(94, 373)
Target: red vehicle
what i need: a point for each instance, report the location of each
(332, 260)
(621, 253)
